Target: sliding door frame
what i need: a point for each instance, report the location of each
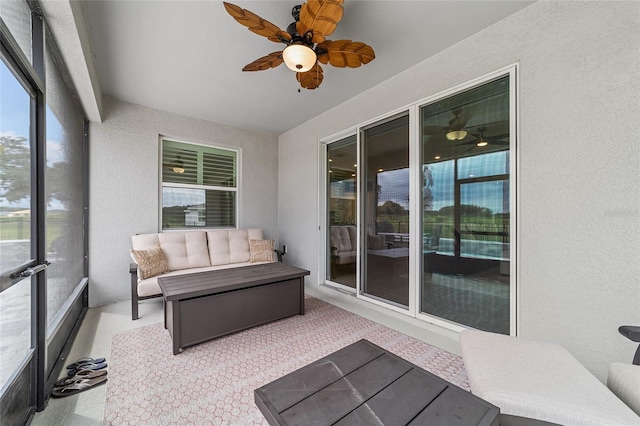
(24, 390)
(512, 72)
(415, 202)
(323, 217)
(398, 113)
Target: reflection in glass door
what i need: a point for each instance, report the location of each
(16, 224)
(342, 195)
(385, 212)
(466, 207)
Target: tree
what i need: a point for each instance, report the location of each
(15, 173)
(390, 208)
(467, 210)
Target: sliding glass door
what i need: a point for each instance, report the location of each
(466, 208)
(17, 242)
(385, 212)
(433, 189)
(342, 215)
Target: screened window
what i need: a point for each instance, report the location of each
(64, 189)
(199, 186)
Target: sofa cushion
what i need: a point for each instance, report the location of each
(144, 241)
(624, 381)
(262, 251)
(185, 250)
(151, 262)
(231, 245)
(343, 237)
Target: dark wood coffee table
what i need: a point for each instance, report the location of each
(363, 384)
(204, 305)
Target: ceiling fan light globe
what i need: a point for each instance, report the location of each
(482, 143)
(456, 135)
(299, 58)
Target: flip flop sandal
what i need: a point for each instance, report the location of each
(85, 360)
(73, 372)
(82, 374)
(79, 386)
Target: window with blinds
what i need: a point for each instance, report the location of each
(199, 186)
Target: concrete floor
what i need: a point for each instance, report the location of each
(94, 340)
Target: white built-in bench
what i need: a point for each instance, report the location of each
(535, 382)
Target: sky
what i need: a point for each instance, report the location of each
(15, 120)
(394, 184)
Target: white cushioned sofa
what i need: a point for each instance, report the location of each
(190, 252)
(344, 243)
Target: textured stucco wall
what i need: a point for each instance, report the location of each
(124, 184)
(578, 172)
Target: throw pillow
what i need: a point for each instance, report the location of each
(262, 251)
(151, 262)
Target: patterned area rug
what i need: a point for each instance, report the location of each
(213, 383)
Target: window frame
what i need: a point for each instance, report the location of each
(237, 152)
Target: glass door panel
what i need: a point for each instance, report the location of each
(466, 208)
(15, 328)
(15, 225)
(342, 195)
(484, 225)
(385, 170)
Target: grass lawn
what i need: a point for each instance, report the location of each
(19, 228)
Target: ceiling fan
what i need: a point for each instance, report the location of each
(305, 40)
(480, 140)
(456, 130)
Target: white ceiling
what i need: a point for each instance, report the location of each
(186, 56)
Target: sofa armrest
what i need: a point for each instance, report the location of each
(279, 254)
(632, 333)
(133, 270)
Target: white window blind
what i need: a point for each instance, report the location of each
(199, 186)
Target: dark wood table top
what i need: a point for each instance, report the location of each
(180, 287)
(363, 384)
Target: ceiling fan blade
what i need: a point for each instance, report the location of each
(312, 78)
(345, 53)
(272, 60)
(256, 24)
(502, 139)
(320, 16)
(460, 119)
